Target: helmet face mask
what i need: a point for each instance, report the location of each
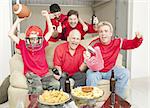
(34, 38)
(34, 43)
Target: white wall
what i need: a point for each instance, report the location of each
(138, 59)
(121, 17)
(149, 40)
(121, 22)
(5, 43)
(106, 12)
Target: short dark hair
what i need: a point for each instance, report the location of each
(54, 8)
(73, 12)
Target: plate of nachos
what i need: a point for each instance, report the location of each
(87, 92)
(53, 97)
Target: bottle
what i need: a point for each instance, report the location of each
(112, 88)
(112, 82)
(67, 84)
(93, 16)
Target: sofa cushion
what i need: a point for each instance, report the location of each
(50, 52)
(18, 80)
(17, 96)
(16, 63)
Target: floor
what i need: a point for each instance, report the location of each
(139, 93)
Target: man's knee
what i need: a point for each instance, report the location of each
(56, 85)
(91, 75)
(125, 74)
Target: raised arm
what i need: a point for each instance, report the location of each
(85, 27)
(131, 44)
(11, 33)
(50, 27)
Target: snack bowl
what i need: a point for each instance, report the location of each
(86, 95)
(53, 97)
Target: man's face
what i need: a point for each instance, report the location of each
(57, 14)
(73, 21)
(105, 34)
(74, 40)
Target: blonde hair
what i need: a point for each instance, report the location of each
(103, 23)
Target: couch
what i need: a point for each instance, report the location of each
(18, 88)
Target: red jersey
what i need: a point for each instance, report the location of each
(34, 61)
(66, 61)
(110, 52)
(55, 23)
(79, 27)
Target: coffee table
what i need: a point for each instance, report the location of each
(115, 101)
(32, 102)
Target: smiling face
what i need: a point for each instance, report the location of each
(73, 20)
(74, 39)
(105, 33)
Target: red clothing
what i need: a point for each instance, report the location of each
(79, 27)
(110, 52)
(55, 22)
(66, 61)
(34, 61)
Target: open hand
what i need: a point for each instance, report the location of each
(138, 35)
(59, 28)
(86, 55)
(85, 27)
(44, 13)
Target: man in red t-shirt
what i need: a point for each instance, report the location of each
(33, 55)
(75, 22)
(68, 58)
(109, 49)
(58, 19)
